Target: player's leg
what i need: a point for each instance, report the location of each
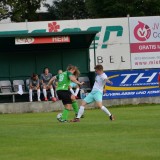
(74, 104)
(87, 100)
(98, 99)
(81, 109)
(77, 90)
(45, 92)
(38, 94)
(65, 112)
(65, 96)
(30, 95)
(52, 93)
(71, 90)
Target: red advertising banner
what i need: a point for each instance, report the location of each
(41, 40)
(145, 47)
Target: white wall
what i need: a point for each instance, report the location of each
(116, 37)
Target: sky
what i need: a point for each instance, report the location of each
(49, 1)
(43, 9)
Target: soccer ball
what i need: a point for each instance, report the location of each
(59, 115)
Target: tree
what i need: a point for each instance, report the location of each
(19, 10)
(120, 8)
(68, 9)
(146, 8)
(4, 10)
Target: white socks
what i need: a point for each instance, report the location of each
(44, 93)
(71, 90)
(52, 92)
(106, 110)
(38, 94)
(80, 112)
(30, 95)
(76, 92)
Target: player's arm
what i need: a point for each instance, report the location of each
(30, 84)
(73, 79)
(41, 79)
(51, 80)
(108, 81)
(38, 84)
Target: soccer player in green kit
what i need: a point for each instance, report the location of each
(68, 100)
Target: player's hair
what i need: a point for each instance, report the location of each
(98, 67)
(76, 73)
(45, 69)
(34, 75)
(60, 71)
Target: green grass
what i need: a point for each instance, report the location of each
(134, 135)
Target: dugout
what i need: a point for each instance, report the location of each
(35, 51)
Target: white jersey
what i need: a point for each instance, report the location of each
(100, 82)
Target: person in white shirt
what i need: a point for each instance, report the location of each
(96, 94)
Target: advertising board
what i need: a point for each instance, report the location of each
(132, 84)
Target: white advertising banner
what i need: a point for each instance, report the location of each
(111, 42)
(145, 42)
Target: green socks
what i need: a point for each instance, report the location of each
(75, 106)
(65, 114)
(66, 111)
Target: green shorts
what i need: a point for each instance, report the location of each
(94, 95)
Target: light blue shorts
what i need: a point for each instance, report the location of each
(73, 85)
(94, 96)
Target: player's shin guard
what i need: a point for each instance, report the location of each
(75, 107)
(65, 114)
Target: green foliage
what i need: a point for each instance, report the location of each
(68, 9)
(19, 10)
(4, 10)
(135, 134)
(121, 8)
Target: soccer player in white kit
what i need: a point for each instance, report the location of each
(96, 94)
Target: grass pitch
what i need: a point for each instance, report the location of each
(134, 135)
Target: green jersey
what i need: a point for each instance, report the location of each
(64, 80)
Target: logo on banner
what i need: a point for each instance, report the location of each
(53, 27)
(142, 31)
(24, 40)
(131, 84)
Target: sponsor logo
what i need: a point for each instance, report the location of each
(53, 27)
(142, 32)
(24, 40)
